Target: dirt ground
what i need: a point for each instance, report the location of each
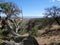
(46, 40)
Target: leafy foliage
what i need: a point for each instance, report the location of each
(34, 31)
(9, 9)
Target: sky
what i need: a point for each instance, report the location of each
(34, 8)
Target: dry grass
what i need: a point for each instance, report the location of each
(48, 39)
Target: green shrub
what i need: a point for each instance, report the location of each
(1, 32)
(22, 29)
(34, 32)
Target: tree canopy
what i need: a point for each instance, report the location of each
(9, 9)
(53, 12)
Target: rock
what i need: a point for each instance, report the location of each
(22, 41)
(8, 43)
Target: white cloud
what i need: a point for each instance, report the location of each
(55, 0)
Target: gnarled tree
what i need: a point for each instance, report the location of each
(53, 12)
(10, 9)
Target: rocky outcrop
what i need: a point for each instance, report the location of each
(22, 41)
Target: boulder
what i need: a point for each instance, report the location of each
(22, 41)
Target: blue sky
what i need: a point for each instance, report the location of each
(34, 8)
